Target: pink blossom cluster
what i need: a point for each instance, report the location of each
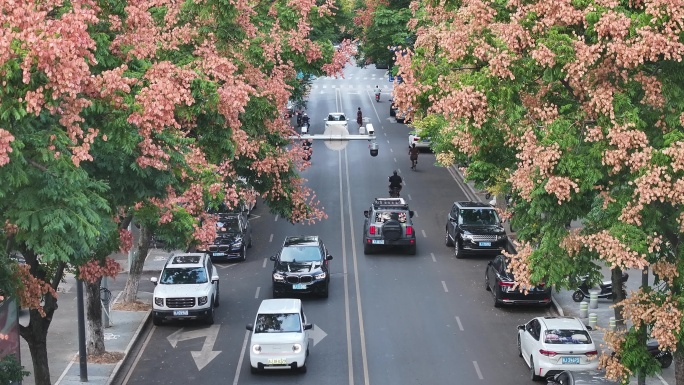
(562, 187)
(629, 147)
(6, 138)
(661, 313)
(125, 240)
(610, 249)
(519, 265)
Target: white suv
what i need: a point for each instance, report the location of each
(187, 288)
(550, 345)
(280, 336)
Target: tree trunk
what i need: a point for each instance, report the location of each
(679, 365)
(616, 279)
(35, 333)
(95, 343)
(130, 291)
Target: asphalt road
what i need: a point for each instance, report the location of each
(391, 318)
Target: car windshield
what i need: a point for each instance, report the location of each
(479, 217)
(567, 337)
(228, 225)
(186, 275)
(278, 323)
(336, 118)
(300, 254)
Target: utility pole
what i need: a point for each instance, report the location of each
(641, 380)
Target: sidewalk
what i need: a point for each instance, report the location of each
(565, 306)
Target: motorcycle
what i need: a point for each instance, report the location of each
(377, 96)
(606, 289)
(394, 192)
(664, 357)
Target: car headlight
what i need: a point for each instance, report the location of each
(237, 243)
(159, 301)
(320, 275)
(256, 349)
(278, 277)
(467, 237)
(296, 348)
(501, 236)
(202, 300)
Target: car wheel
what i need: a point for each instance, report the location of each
(243, 254)
(324, 293)
(487, 281)
(412, 250)
(216, 299)
(302, 369)
(519, 347)
(577, 296)
(665, 361)
(210, 317)
(367, 249)
(157, 321)
(447, 239)
(458, 252)
(497, 303)
(253, 369)
(533, 373)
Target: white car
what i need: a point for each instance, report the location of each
(550, 345)
(280, 336)
(420, 142)
(337, 119)
(187, 288)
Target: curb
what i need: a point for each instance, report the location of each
(134, 340)
(458, 177)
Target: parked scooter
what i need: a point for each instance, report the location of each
(664, 357)
(606, 288)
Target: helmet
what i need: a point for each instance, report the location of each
(304, 114)
(394, 172)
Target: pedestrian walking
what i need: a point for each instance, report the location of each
(359, 117)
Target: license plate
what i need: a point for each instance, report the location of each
(277, 361)
(219, 254)
(180, 312)
(378, 241)
(298, 286)
(571, 360)
(482, 244)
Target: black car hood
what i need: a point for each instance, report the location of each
(226, 238)
(482, 230)
(299, 267)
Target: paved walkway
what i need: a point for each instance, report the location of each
(126, 325)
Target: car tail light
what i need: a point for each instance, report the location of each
(506, 286)
(591, 353)
(372, 230)
(409, 230)
(548, 353)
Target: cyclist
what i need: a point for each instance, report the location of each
(413, 155)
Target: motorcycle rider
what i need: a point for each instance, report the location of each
(395, 182)
(305, 119)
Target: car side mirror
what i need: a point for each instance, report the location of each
(308, 326)
(272, 258)
(489, 263)
(589, 328)
(154, 280)
(365, 213)
(328, 257)
(250, 327)
(214, 278)
(521, 327)
(411, 213)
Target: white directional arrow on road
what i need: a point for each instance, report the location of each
(203, 357)
(317, 334)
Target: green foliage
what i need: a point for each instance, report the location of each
(10, 370)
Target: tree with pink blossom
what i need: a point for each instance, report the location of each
(575, 109)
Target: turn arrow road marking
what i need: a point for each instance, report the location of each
(207, 354)
(317, 334)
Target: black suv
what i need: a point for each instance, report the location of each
(301, 267)
(388, 223)
(475, 228)
(233, 237)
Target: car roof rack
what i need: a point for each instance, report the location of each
(390, 203)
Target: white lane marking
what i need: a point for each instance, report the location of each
(135, 362)
(460, 325)
(350, 368)
(477, 369)
(444, 286)
(265, 262)
(242, 355)
(661, 379)
(424, 235)
(409, 197)
(276, 218)
(359, 309)
(257, 292)
(270, 239)
(433, 257)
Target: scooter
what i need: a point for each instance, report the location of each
(664, 357)
(606, 289)
(377, 96)
(394, 192)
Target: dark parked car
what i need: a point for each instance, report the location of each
(581, 378)
(501, 283)
(388, 223)
(233, 237)
(301, 267)
(393, 108)
(475, 228)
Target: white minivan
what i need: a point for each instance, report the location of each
(280, 336)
